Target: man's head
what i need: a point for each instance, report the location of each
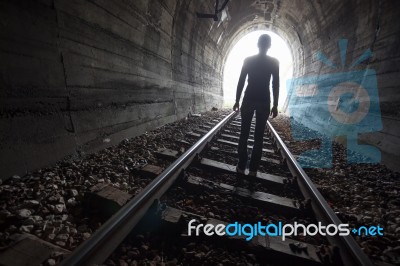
(264, 43)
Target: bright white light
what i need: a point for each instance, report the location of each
(247, 46)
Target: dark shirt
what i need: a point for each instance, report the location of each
(259, 69)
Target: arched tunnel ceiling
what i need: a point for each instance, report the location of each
(86, 74)
(308, 26)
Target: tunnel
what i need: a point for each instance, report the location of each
(79, 76)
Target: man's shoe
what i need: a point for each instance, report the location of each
(239, 171)
(253, 173)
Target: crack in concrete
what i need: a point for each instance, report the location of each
(70, 126)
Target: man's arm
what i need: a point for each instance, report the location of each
(275, 83)
(242, 79)
(275, 89)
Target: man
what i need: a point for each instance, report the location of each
(259, 69)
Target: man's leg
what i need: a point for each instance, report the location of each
(262, 113)
(247, 112)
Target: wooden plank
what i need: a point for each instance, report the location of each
(279, 204)
(206, 127)
(151, 170)
(239, 125)
(235, 144)
(28, 250)
(171, 215)
(201, 130)
(253, 122)
(106, 199)
(167, 153)
(236, 131)
(261, 177)
(192, 134)
(184, 142)
(263, 159)
(240, 121)
(250, 140)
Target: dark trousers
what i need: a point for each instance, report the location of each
(262, 110)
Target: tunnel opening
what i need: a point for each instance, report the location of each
(247, 46)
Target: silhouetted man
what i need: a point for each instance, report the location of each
(259, 69)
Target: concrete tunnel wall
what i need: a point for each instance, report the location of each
(78, 76)
(83, 75)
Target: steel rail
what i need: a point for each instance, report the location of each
(99, 247)
(350, 251)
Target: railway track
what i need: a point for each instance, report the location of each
(205, 174)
